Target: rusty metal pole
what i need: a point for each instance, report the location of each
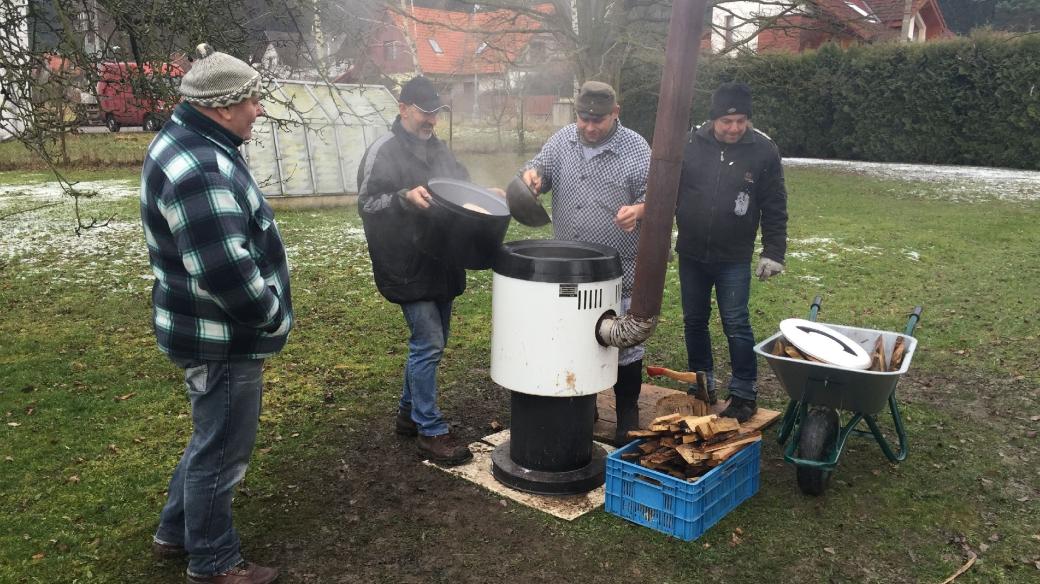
(670, 131)
(662, 189)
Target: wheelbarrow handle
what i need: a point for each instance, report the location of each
(814, 308)
(911, 323)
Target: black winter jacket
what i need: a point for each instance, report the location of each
(725, 191)
(397, 232)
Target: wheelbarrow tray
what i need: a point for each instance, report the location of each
(820, 384)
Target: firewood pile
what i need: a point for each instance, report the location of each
(686, 447)
(782, 348)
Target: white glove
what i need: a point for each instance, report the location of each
(767, 267)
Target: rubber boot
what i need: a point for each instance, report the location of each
(626, 400)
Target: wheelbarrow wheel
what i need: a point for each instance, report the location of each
(819, 432)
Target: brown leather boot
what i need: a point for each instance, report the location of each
(739, 408)
(404, 425)
(443, 450)
(244, 573)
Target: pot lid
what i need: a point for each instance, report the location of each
(824, 343)
(469, 196)
(523, 205)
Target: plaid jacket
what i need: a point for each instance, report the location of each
(221, 277)
(587, 193)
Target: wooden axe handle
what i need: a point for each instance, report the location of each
(684, 376)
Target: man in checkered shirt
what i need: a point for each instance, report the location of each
(596, 169)
(221, 305)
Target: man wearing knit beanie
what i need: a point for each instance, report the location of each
(221, 305)
(732, 182)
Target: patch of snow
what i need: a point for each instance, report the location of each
(108, 190)
(955, 183)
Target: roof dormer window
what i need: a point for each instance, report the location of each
(435, 46)
(482, 48)
(862, 12)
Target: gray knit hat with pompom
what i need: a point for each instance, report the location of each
(219, 80)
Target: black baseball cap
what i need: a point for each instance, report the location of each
(420, 92)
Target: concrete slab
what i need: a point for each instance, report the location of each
(478, 471)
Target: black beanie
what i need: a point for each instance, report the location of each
(729, 99)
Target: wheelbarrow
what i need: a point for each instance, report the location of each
(819, 390)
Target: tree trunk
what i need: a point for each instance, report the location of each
(410, 38)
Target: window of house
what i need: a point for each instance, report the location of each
(389, 50)
(435, 46)
(482, 48)
(861, 11)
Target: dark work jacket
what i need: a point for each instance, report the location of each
(398, 233)
(725, 191)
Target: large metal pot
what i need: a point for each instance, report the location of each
(463, 234)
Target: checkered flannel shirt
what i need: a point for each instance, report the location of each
(588, 193)
(221, 276)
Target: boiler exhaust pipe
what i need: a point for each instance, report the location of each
(662, 188)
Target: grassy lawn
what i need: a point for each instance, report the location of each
(85, 151)
(94, 418)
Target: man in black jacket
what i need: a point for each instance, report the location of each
(732, 181)
(393, 202)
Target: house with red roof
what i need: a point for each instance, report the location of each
(469, 55)
(799, 27)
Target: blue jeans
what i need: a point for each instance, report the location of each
(732, 283)
(429, 322)
(225, 411)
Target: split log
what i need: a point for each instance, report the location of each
(665, 420)
(877, 359)
(681, 403)
(663, 455)
(690, 423)
(739, 440)
(794, 353)
(898, 352)
(719, 438)
(648, 447)
(691, 454)
(720, 425)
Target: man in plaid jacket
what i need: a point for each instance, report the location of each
(596, 169)
(221, 304)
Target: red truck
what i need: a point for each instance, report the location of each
(129, 95)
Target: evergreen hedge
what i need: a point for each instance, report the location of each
(970, 101)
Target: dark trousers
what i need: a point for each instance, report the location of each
(732, 284)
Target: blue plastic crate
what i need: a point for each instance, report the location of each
(679, 508)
